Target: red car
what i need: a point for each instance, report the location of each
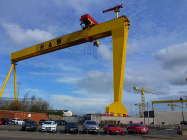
(137, 128)
(112, 129)
(1, 122)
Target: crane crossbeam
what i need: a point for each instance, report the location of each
(96, 32)
(168, 101)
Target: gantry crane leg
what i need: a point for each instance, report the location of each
(119, 37)
(6, 80)
(15, 89)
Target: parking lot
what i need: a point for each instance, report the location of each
(14, 132)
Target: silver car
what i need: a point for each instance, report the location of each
(90, 126)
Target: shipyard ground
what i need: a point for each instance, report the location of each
(13, 132)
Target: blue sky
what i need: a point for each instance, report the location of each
(80, 78)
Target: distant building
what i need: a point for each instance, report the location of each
(67, 113)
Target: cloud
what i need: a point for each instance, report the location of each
(96, 82)
(173, 57)
(2, 75)
(174, 60)
(20, 35)
(90, 104)
(105, 52)
(48, 73)
(84, 92)
(79, 6)
(145, 78)
(69, 80)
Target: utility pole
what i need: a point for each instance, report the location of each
(148, 112)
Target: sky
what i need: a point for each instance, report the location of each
(80, 78)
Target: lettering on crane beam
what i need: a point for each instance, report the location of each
(41, 46)
(50, 44)
(59, 41)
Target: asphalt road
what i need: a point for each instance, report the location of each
(16, 135)
(13, 132)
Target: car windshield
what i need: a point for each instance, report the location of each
(48, 123)
(30, 122)
(138, 125)
(130, 125)
(18, 119)
(91, 122)
(112, 125)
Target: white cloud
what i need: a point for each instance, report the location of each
(96, 82)
(33, 90)
(79, 6)
(77, 104)
(20, 35)
(84, 92)
(69, 80)
(105, 52)
(132, 48)
(48, 74)
(174, 60)
(173, 57)
(2, 75)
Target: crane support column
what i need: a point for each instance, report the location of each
(6, 80)
(119, 37)
(15, 89)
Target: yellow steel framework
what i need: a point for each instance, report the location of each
(168, 101)
(173, 105)
(143, 98)
(117, 28)
(139, 105)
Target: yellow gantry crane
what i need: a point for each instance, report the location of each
(168, 101)
(173, 105)
(143, 98)
(117, 28)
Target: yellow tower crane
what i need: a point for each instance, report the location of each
(143, 98)
(173, 105)
(139, 106)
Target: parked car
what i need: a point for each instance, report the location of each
(1, 122)
(25, 120)
(61, 122)
(49, 126)
(42, 121)
(71, 127)
(30, 125)
(17, 121)
(90, 126)
(137, 128)
(183, 122)
(6, 121)
(112, 129)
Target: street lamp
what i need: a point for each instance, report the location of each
(182, 108)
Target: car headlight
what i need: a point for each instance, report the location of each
(87, 127)
(97, 127)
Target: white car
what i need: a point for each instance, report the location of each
(17, 121)
(49, 126)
